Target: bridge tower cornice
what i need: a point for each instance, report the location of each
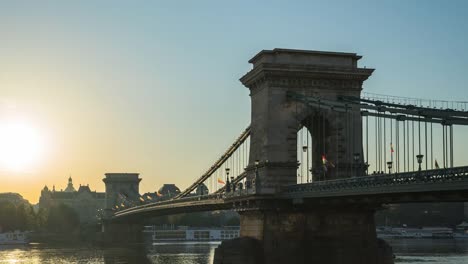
(306, 75)
(302, 67)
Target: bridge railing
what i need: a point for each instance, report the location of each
(193, 198)
(417, 177)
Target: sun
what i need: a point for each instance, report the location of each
(21, 146)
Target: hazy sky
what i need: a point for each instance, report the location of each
(152, 86)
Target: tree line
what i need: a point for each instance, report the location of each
(56, 219)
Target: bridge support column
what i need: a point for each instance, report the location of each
(121, 234)
(331, 235)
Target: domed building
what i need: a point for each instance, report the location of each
(169, 190)
(202, 190)
(84, 201)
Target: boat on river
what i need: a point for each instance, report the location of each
(184, 233)
(13, 238)
(424, 232)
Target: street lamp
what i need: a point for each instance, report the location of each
(419, 157)
(389, 165)
(357, 157)
(257, 162)
(228, 185)
(233, 185)
(367, 168)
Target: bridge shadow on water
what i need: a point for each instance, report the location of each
(162, 253)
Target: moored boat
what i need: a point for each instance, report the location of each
(13, 238)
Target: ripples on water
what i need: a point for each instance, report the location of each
(430, 251)
(181, 253)
(407, 251)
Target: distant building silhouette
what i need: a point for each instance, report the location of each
(14, 198)
(84, 201)
(169, 189)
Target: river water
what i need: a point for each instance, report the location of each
(412, 251)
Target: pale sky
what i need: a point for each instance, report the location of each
(152, 86)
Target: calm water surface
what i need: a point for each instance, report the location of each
(406, 250)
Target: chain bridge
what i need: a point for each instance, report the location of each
(318, 159)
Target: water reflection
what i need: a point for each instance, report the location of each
(430, 246)
(414, 251)
(125, 256)
(163, 253)
(194, 253)
(433, 251)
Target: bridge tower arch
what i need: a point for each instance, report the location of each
(279, 74)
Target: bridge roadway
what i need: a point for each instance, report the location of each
(439, 185)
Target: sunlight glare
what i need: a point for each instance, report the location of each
(21, 146)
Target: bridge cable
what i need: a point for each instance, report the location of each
(419, 134)
(425, 139)
(306, 133)
(367, 143)
(304, 163)
(447, 155)
(379, 137)
(397, 135)
(385, 142)
(376, 146)
(432, 149)
(324, 143)
(447, 145)
(451, 145)
(412, 123)
(391, 140)
(307, 155)
(407, 145)
(300, 154)
(404, 145)
(443, 144)
(377, 140)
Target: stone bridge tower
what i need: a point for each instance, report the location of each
(119, 185)
(301, 230)
(275, 119)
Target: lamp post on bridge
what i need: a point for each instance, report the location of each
(389, 165)
(256, 183)
(357, 157)
(233, 184)
(228, 185)
(419, 157)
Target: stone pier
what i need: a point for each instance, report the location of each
(332, 235)
(124, 234)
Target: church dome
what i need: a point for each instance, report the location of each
(70, 187)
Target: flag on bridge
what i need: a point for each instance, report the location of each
(391, 148)
(436, 165)
(324, 159)
(326, 162)
(221, 181)
(158, 194)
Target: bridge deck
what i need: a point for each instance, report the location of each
(440, 184)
